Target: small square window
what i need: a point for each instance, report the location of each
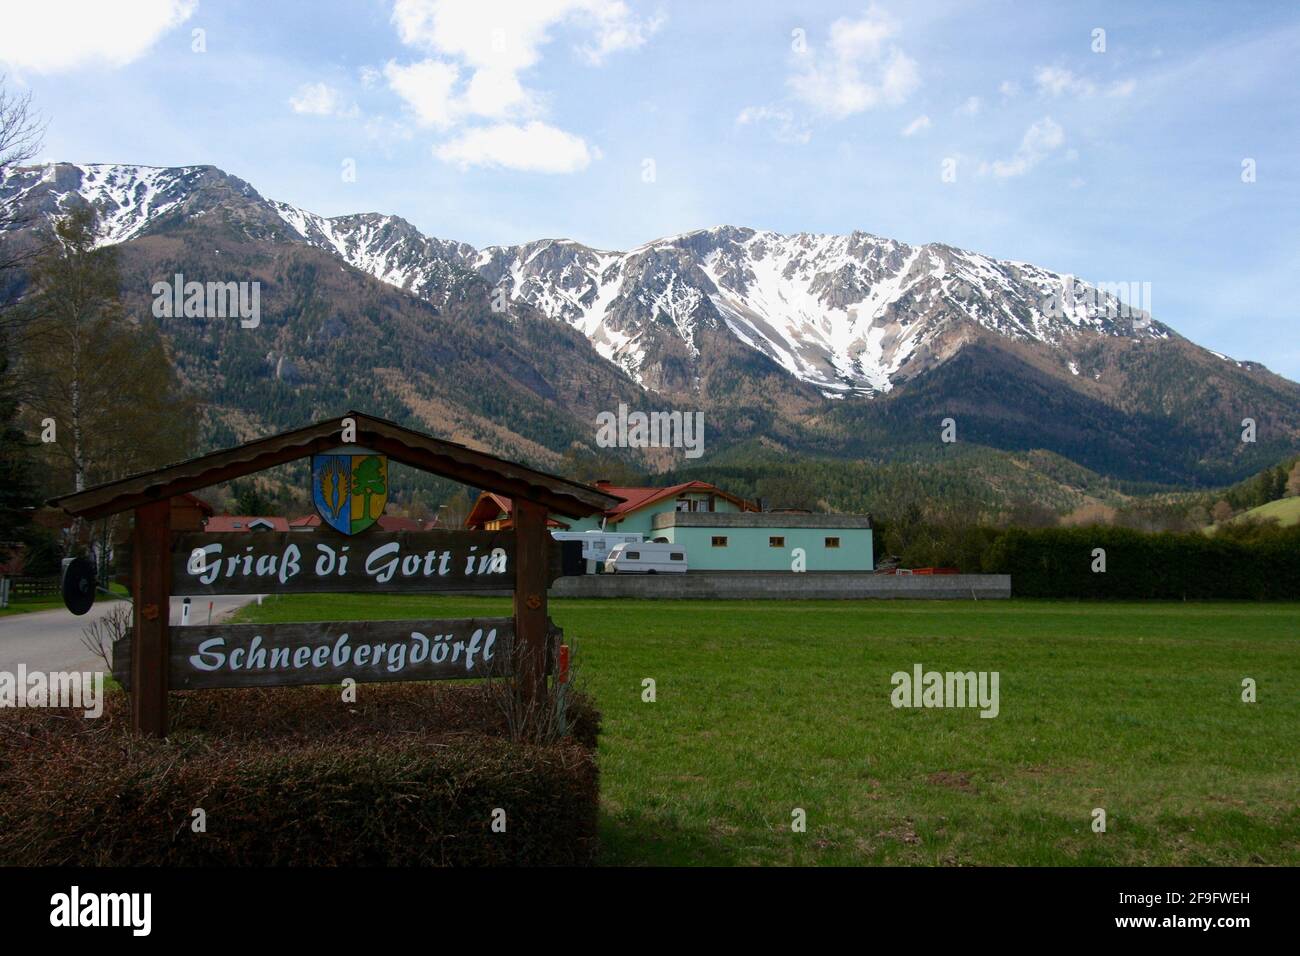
(719, 541)
(776, 542)
(832, 542)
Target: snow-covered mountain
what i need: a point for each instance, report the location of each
(853, 313)
(756, 328)
(845, 313)
(386, 247)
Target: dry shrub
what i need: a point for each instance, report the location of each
(409, 775)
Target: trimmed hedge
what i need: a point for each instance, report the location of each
(1057, 562)
(410, 775)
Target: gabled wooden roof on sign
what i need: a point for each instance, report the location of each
(400, 444)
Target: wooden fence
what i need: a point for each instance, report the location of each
(30, 588)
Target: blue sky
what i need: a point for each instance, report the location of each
(615, 123)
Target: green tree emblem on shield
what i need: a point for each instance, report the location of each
(369, 490)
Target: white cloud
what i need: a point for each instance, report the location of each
(1009, 88)
(859, 70)
(475, 56)
(427, 89)
(498, 94)
(971, 107)
(920, 123)
(48, 37)
(617, 31)
(507, 35)
(534, 147)
(432, 90)
(369, 76)
(320, 99)
(1054, 81)
(785, 128)
(1039, 141)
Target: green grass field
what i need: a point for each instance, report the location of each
(1286, 511)
(769, 706)
(31, 605)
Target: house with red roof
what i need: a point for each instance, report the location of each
(720, 531)
(224, 524)
(312, 522)
(634, 515)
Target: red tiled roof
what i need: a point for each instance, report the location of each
(637, 498)
(224, 523)
(634, 499)
(399, 523)
(385, 522)
(488, 507)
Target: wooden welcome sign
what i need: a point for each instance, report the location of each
(349, 486)
(274, 655)
(297, 563)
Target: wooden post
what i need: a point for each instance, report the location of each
(531, 578)
(152, 595)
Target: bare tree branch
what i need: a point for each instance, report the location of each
(21, 133)
(101, 635)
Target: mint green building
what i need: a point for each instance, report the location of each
(720, 531)
(769, 541)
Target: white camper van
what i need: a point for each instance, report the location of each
(648, 557)
(596, 545)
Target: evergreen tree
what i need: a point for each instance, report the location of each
(20, 135)
(107, 382)
(249, 500)
(19, 496)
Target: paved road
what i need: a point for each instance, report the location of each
(51, 640)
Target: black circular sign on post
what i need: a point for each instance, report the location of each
(78, 585)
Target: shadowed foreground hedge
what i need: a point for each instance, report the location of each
(1057, 562)
(410, 775)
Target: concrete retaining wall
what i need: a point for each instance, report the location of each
(785, 586)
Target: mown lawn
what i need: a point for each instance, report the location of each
(31, 605)
(769, 706)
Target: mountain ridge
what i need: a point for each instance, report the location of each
(808, 341)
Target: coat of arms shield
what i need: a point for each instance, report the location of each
(349, 488)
